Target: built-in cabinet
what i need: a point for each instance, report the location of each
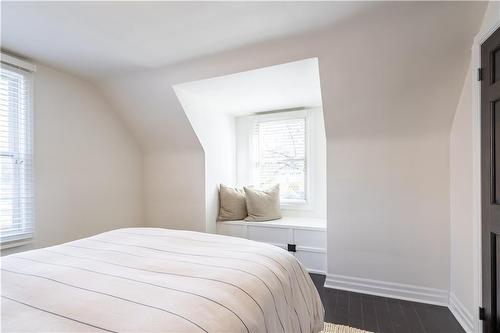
(305, 238)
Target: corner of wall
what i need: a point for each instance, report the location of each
(460, 312)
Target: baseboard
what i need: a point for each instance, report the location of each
(463, 316)
(315, 271)
(388, 289)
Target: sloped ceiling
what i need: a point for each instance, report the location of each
(99, 38)
(392, 70)
(387, 69)
(279, 87)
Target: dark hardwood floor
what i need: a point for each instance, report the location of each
(384, 315)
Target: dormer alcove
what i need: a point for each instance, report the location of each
(264, 127)
(224, 112)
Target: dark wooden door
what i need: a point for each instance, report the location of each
(490, 168)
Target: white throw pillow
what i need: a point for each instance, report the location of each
(263, 205)
(232, 204)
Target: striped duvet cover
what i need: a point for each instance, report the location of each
(158, 280)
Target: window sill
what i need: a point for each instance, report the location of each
(296, 205)
(16, 243)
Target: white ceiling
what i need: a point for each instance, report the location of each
(96, 39)
(289, 85)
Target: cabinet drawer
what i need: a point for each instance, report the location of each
(314, 262)
(310, 238)
(277, 236)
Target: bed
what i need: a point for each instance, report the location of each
(158, 280)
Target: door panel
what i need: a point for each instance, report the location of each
(490, 182)
(495, 108)
(496, 278)
(496, 65)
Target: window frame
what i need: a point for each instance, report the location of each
(11, 63)
(291, 204)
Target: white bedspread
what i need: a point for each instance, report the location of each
(158, 280)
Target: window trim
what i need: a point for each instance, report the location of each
(23, 238)
(289, 204)
(16, 62)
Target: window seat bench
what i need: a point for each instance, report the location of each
(304, 237)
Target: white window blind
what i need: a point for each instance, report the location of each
(16, 154)
(279, 148)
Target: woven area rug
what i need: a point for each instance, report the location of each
(332, 328)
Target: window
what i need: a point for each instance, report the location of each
(16, 154)
(279, 148)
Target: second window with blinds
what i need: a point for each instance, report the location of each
(275, 148)
(16, 155)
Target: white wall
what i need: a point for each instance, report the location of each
(464, 290)
(388, 199)
(461, 200)
(390, 80)
(88, 167)
(172, 195)
(174, 161)
(216, 132)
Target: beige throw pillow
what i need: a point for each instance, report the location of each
(232, 203)
(263, 205)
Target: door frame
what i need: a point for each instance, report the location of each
(476, 168)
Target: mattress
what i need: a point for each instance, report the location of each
(158, 280)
